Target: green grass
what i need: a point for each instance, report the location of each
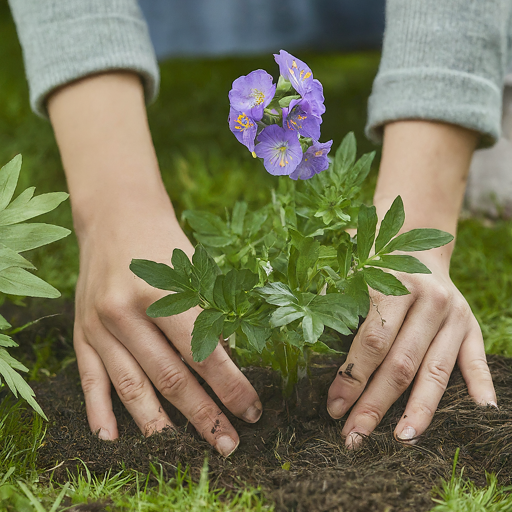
(461, 495)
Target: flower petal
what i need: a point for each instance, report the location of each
(280, 149)
(252, 93)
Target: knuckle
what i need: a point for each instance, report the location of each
(233, 393)
(369, 411)
(461, 310)
(89, 381)
(480, 369)
(403, 371)
(171, 381)
(130, 388)
(112, 306)
(375, 342)
(440, 297)
(438, 372)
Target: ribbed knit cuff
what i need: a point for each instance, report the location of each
(437, 95)
(81, 38)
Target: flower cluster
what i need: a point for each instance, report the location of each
(284, 119)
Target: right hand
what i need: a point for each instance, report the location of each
(116, 342)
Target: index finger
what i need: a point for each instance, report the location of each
(369, 348)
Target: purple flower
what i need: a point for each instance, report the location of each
(280, 149)
(315, 97)
(243, 127)
(294, 70)
(252, 93)
(299, 117)
(314, 161)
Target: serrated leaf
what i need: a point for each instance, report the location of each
(17, 281)
(206, 333)
(285, 315)
(339, 311)
(230, 326)
(278, 294)
(356, 288)
(10, 258)
(7, 341)
(205, 271)
(391, 224)
(25, 237)
(205, 223)
(38, 205)
(256, 335)
(9, 175)
(238, 217)
(16, 383)
(383, 282)
(418, 240)
(366, 226)
(320, 347)
(161, 276)
(345, 154)
(401, 263)
(180, 262)
(173, 304)
(4, 324)
(312, 327)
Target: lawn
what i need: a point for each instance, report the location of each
(205, 168)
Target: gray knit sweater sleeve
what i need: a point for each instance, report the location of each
(63, 40)
(442, 60)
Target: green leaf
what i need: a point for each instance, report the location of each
(234, 286)
(38, 205)
(4, 324)
(418, 240)
(17, 281)
(401, 263)
(180, 262)
(206, 333)
(218, 294)
(285, 102)
(320, 347)
(7, 341)
(345, 154)
(344, 259)
(338, 311)
(358, 173)
(383, 282)
(16, 384)
(356, 288)
(230, 326)
(257, 335)
(160, 275)
(278, 294)
(391, 224)
(309, 252)
(312, 327)
(238, 217)
(10, 258)
(173, 304)
(285, 315)
(205, 271)
(25, 237)
(366, 225)
(214, 240)
(205, 223)
(9, 175)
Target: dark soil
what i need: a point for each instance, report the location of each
(384, 475)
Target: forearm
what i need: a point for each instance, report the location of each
(427, 164)
(103, 135)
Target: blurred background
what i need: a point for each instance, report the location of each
(203, 46)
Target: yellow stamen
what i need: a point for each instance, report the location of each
(244, 122)
(259, 97)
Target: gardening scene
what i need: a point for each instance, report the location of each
(255, 256)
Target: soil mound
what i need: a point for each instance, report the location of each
(295, 453)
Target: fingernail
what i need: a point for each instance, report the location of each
(225, 446)
(104, 434)
(407, 434)
(354, 441)
(253, 413)
(492, 403)
(336, 408)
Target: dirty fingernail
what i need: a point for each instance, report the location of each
(407, 434)
(253, 413)
(104, 434)
(492, 403)
(336, 408)
(225, 446)
(354, 441)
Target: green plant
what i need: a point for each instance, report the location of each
(16, 237)
(271, 280)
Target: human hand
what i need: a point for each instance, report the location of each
(115, 341)
(413, 337)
